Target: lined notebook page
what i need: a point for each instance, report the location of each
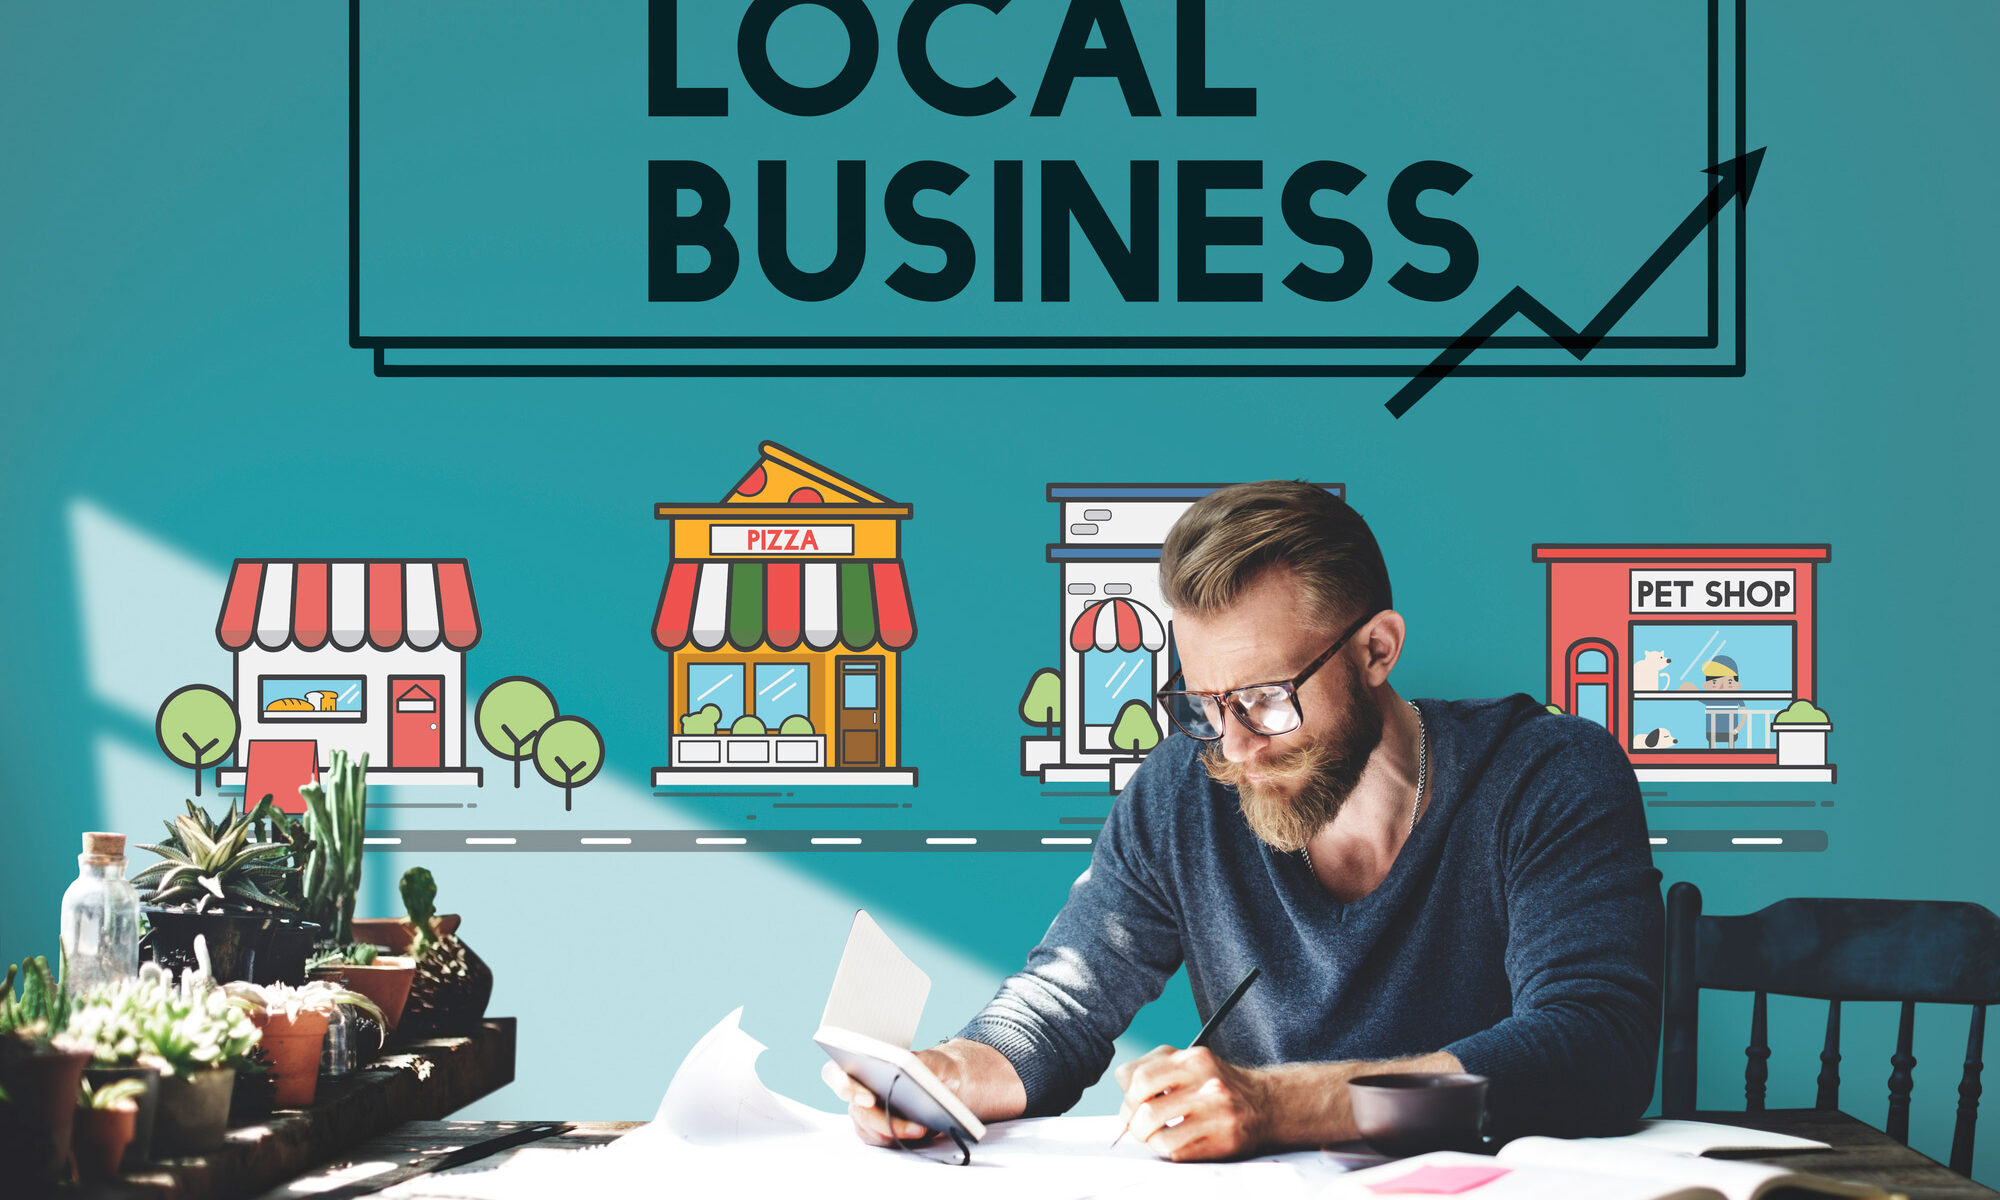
(877, 991)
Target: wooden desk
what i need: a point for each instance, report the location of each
(1860, 1152)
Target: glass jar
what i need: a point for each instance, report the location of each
(100, 917)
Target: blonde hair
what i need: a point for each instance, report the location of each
(1234, 534)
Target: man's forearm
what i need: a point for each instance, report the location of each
(983, 1078)
(1305, 1104)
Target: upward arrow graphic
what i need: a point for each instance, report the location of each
(1733, 179)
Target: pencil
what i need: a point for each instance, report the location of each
(1207, 1027)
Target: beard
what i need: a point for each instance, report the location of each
(1302, 790)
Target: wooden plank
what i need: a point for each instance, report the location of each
(421, 1081)
(1861, 1153)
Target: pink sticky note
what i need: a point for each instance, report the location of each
(1438, 1181)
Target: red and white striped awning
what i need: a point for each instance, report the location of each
(349, 603)
(1117, 625)
(779, 604)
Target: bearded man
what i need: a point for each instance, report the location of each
(1426, 885)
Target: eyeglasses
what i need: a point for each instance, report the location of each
(1267, 709)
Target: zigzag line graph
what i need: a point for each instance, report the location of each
(1734, 180)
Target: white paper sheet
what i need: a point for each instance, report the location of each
(719, 1130)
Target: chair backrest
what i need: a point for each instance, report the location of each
(278, 768)
(1909, 951)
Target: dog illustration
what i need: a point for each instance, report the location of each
(1648, 672)
(1658, 739)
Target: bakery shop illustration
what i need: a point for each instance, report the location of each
(361, 655)
(1095, 707)
(1701, 660)
(784, 614)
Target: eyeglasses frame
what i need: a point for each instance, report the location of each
(1228, 706)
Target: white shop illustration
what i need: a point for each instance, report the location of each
(1115, 647)
(361, 655)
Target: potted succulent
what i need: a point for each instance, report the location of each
(109, 1022)
(235, 884)
(106, 1119)
(294, 1022)
(336, 821)
(200, 1041)
(452, 985)
(39, 1071)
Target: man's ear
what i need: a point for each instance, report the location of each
(1381, 642)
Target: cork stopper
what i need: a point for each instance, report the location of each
(101, 848)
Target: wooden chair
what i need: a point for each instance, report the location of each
(1910, 951)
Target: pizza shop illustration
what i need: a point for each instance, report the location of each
(785, 613)
(348, 654)
(1700, 660)
(1095, 707)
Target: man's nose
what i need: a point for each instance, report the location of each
(1238, 743)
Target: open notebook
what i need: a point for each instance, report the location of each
(871, 1014)
(1596, 1169)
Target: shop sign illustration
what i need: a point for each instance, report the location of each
(361, 655)
(1700, 659)
(1096, 707)
(785, 613)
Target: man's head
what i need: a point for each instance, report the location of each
(1263, 577)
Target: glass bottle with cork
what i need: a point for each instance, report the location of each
(100, 917)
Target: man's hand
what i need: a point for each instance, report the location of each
(980, 1076)
(1210, 1109)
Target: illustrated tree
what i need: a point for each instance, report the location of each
(1135, 730)
(1041, 702)
(197, 727)
(568, 753)
(509, 716)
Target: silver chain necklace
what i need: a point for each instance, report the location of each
(1416, 805)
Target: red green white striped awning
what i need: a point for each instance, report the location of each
(783, 604)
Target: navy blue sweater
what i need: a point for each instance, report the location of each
(1520, 928)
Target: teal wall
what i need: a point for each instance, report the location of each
(179, 392)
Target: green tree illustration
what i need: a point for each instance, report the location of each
(569, 753)
(509, 715)
(1136, 730)
(1041, 702)
(197, 727)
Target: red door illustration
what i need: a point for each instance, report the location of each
(416, 721)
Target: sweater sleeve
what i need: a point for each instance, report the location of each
(1584, 949)
(1109, 953)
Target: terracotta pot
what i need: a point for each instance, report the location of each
(386, 981)
(101, 1138)
(294, 1045)
(394, 933)
(194, 1111)
(35, 1128)
(148, 1101)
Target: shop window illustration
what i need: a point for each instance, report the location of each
(1115, 631)
(1722, 684)
(785, 612)
(361, 655)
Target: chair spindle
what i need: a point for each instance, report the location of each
(1829, 1060)
(1900, 1080)
(1968, 1094)
(1757, 1070)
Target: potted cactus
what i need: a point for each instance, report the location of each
(236, 884)
(336, 821)
(106, 1120)
(40, 1068)
(294, 1022)
(452, 985)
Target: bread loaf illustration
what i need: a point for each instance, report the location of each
(289, 704)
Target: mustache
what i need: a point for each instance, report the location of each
(1292, 767)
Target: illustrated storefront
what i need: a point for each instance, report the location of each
(1701, 660)
(1116, 629)
(355, 655)
(785, 614)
